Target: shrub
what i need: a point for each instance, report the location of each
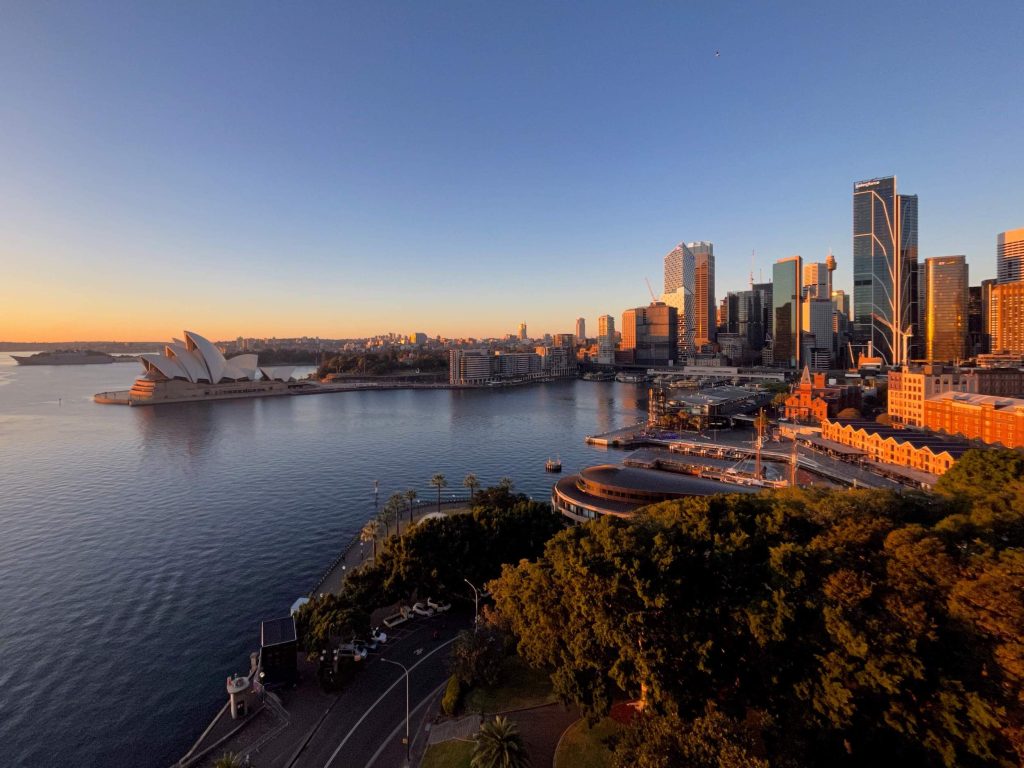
(452, 693)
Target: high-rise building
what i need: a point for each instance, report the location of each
(817, 332)
(581, 331)
(650, 332)
(750, 319)
(1007, 313)
(817, 280)
(786, 314)
(522, 330)
(679, 293)
(1010, 256)
(977, 329)
(703, 291)
(885, 272)
(606, 339)
(946, 289)
(764, 291)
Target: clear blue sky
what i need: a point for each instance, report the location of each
(340, 169)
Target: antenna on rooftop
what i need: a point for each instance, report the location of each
(752, 253)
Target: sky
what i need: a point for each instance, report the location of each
(346, 169)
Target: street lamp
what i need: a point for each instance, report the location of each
(406, 669)
(476, 605)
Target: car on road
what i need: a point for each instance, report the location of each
(422, 609)
(378, 635)
(357, 652)
(439, 607)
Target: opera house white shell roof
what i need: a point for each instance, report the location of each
(197, 360)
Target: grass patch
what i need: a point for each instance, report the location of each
(583, 746)
(520, 687)
(448, 754)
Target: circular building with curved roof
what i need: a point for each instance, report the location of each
(609, 489)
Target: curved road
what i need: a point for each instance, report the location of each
(367, 721)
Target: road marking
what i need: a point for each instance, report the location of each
(401, 725)
(381, 698)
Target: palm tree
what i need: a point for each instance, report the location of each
(499, 745)
(440, 482)
(228, 760)
(505, 484)
(393, 507)
(410, 497)
(385, 517)
(472, 483)
(369, 532)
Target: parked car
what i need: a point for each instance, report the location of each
(358, 653)
(403, 615)
(380, 637)
(422, 609)
(438, 607)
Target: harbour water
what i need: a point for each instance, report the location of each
(140, 547)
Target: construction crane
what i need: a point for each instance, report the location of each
(654, 299)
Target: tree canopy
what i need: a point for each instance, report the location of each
(800, 627)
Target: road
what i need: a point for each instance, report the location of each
(367, 722)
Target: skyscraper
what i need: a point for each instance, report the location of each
(703, 291)
(885, 271)
(1010, 256)
(946, 289)
(977, 329)
(522, 330)
(606, 339)
(679, 293)
(581, 330)
(786, 312)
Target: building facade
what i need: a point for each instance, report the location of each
(1010, 256)
(703, 291)
(885, 269)
(786, 311)
(946, 292)
(651, 334)
(902, 447)
(909, 388)
(988, 418)
(606, 340)
(581, 331)
(1007, 313)
(813, 400)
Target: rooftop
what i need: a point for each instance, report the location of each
(277, 631)
(634, 478)
(937, 443)
(970, 398)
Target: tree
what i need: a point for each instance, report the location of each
(499, 745)
(849, 413)
(439, 482)
(472, 483)
(477, 656)
(884, 419)
(393, 508)
(228, 760)
(506, 484)
(410, 498)
(710, 741)
(369, 532)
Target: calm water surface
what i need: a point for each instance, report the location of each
(140, 547)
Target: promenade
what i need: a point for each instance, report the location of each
(357, 552)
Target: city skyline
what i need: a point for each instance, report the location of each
(256, 163)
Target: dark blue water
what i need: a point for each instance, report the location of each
(140, 547)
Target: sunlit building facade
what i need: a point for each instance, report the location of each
(650, 333)
(1010, 256)
(786, 311)
(1007, 315)
(703, 291)
(946, 292)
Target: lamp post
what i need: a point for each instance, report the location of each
(476, 605)
(406, 670)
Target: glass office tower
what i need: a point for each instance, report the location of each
(786, 275)
(945, 278)
(885, 270)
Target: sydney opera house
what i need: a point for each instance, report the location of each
(194, 369)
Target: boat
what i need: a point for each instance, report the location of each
(553, 465)
(631, 378)
(69, 357)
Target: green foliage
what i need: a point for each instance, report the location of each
(499, 745)
(711, 740)
(477, 657)
(390, 362)
(431, 559)
(452, 693)
(869, 625)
